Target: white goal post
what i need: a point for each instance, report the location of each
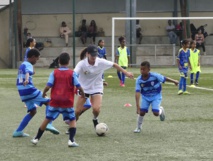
(147, 18)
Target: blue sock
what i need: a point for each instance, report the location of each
(184, 84)
(191, 78)
(24, 122)
(180, 83)
(123, 78)
(197, 76)
(119, 75)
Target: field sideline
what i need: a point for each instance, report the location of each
(185, 135)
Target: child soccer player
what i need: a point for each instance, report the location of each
(28, 93)
(183, 64)
(122, 56)
(62, 82)
(195, 63)
(148, 85)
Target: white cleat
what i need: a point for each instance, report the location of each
(137, 130)
(34, 141)
(162, 116)
(72, 144)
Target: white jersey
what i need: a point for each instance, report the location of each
(90, 76)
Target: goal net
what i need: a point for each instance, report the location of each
(155, 46)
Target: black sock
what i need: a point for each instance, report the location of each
(72, 132)
(39, 134)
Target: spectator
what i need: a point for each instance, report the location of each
(179, 30)
(83, 31)
(171, 32)
(138, 31)
(92, 31)
(199, 38)
(64, 32)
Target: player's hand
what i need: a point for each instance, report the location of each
(176, 82)
(44, 95)
(25, 82)
(130, 75)
(105, 83)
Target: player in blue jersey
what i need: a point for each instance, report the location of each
(183, 65)
(148, 85)
(30, 95)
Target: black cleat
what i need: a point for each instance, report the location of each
(95, 122)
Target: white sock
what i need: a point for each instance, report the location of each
(95, 118)
(160, 111)
(139, 121)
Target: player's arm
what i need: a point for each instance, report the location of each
(46, 89)
(172, 80)
(137, 101)
(27, 75)
(128, 74)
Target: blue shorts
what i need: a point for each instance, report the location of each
(39, 100)
(53, 112)
(154, 101)
(87, 104)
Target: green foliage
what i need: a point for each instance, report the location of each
(185, 135)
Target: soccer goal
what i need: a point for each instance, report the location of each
(170, 49)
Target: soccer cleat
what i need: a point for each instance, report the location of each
(137, 130)
(52, 129)
(196, 83)
(186, 92)
(72, 144)
(192, 85)
(180, 92)
(34, 141)
(95, 122)
(122, 85)
(162, 115)
(20, 134)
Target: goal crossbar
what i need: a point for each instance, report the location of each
(147, 18)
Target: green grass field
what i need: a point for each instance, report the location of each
(185, 135)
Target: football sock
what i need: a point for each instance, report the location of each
(72, 132)
(191, 78)
(184, 84)
(181, 83)
(24, 122)
(123, 78)
(119, 75)
(39, 134)
(160, 111)
(197, 76)
(139, 121)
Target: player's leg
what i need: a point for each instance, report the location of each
(184, 84)
(143, 110)
(156, 108)
(79, 107)
(96, 101)
(191, 78)
(31, 109)
(119, 77)
(197, 77)
(69, 114)
(180, 86)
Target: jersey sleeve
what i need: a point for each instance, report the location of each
(137, 85)
(178, 55)
(77, 69)
(75, 80)
(106, 64)
(50, 80)
(160, 77)
(127, 51)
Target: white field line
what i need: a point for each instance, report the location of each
(202, 88)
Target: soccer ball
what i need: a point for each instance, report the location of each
(101, 129)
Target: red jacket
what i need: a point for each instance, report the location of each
(62, 92)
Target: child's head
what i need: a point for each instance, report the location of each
(193, 44)
(145, 68)
(101, 43)
(33, 56)
(64, 59)
(83, 53)
(185, 44)
(63, 24)
(30, 42)
(122, 41)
